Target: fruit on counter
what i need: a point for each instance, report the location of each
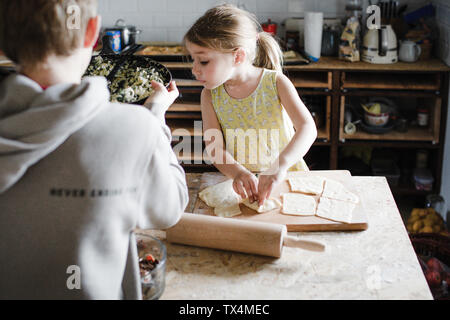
(425, 220)
(434, 265)
(433, 278)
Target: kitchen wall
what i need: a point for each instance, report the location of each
(443, 50)
(168, 20)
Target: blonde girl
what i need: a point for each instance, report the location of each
(247, 97)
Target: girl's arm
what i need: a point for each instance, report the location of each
(244, 182)
(301, 142)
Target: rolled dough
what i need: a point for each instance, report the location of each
(336, 210)
(298, 204)
(308, 185)
(337, 191)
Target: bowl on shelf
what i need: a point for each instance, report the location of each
(376, 114)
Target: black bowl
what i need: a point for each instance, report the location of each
(117, 77)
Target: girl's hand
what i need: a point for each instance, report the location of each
(246, 184)
(162, 98)
(267, 181)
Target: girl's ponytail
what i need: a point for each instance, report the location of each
(268, 53)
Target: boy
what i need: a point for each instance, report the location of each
(77, 173)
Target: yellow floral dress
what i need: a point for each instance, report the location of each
(257, 128)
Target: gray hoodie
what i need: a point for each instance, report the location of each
(77, 175)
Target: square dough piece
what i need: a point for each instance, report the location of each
(298, 204)
(336, 210)
(268, 205)
(308, 185)
(337, 191)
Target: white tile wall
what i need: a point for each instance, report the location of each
(168, 20)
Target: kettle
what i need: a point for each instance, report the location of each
(269, 27)
(380, 46)
(409, 51)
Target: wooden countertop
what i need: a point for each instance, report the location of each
(330, 63)
(333, 63)
(378, 263)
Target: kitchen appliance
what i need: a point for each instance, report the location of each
(380, 46)
(409, 51)
(270, 27)
(127, 33)
(293, 223)
(261, 238)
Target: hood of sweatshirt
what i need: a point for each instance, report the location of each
(34, 122)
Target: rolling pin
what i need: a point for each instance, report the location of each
(239, 235)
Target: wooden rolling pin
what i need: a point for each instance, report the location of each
(245, 236)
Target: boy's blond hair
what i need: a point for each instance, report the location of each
(226, 28)
(32, 30)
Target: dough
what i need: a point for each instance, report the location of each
(268, 205)
(220, 195)
(222, 198)
(336, 190)
(309, 185)
(336, 210)
(227, 212)
(298, 204)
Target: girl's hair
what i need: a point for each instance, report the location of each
(226, 28)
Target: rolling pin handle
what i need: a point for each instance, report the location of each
(293, 242)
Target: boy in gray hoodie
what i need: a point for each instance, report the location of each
(77, 173)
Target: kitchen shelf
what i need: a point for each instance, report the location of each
(414, 133)
(395, 81)
(185, 107)
(310, 79)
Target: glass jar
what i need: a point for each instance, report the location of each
(423, 115)
(152, 265)
(421, 158)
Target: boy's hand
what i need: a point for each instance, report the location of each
(162, 98)
(245, 184)
(267, 181)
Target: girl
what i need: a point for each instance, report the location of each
(246, 96)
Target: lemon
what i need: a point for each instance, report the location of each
(427, 229)
(417, 225)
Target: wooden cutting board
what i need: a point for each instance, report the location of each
(293, 223)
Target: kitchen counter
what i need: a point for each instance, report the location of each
(378, 263)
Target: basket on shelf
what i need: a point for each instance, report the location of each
(434, 246)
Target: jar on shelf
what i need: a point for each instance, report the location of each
(423, 115)
(421, 158)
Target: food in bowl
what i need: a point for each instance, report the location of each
(133, 83)
(129, 77)
(152, 266)
(376, 114)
